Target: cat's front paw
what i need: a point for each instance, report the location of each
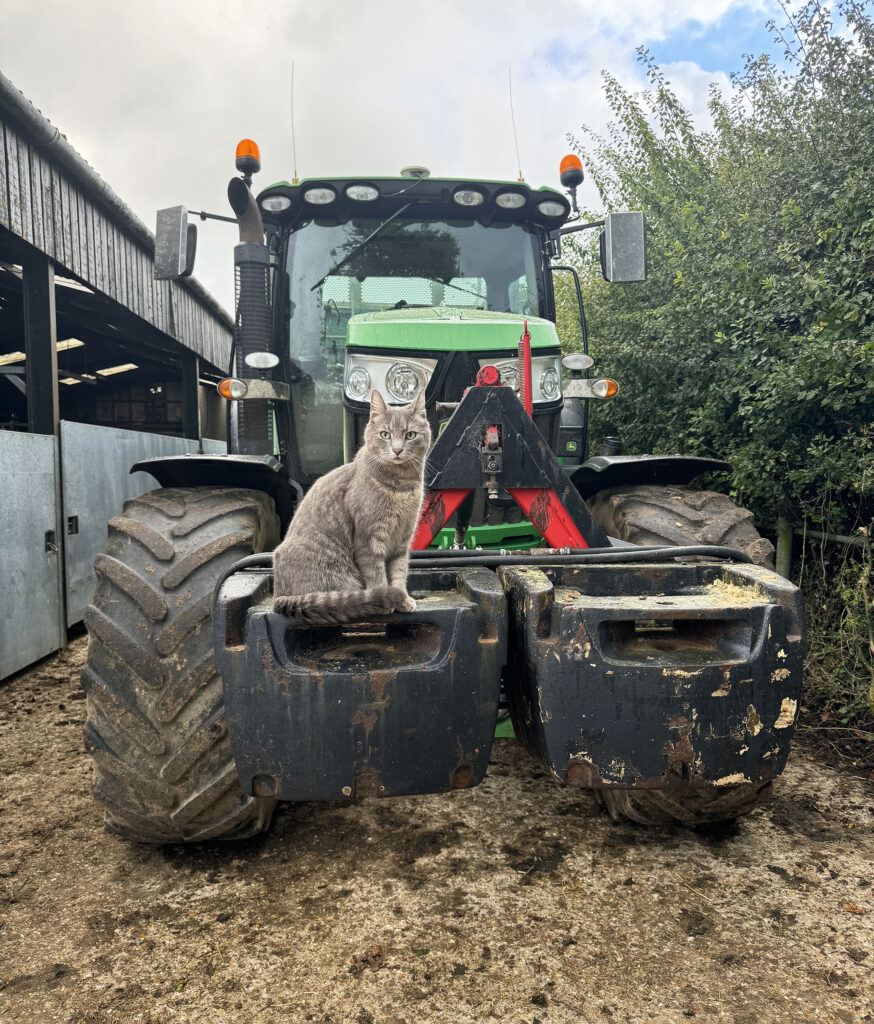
(407, 605)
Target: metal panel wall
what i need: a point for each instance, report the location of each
(96, 476)
(31, 620)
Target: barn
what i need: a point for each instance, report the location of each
(100, 366)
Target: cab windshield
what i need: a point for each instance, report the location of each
(408, 263)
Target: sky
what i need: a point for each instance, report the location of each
(156, 96)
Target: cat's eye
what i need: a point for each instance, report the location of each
(411, 434)
(385, 434)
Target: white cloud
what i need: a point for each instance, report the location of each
(156, 97)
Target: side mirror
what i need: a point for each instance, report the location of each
(175, 244)
(623, 247)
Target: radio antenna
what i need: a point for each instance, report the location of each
(513, 121)
(295, 178)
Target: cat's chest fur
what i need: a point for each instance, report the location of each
(393, 505)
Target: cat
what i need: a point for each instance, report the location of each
(346, 553)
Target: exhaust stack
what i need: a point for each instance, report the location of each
(252, 420)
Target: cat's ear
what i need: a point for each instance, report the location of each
(377, 405)
(418, 405)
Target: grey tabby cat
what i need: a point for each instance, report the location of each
(346, 553)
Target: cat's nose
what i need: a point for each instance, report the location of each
(397, 451)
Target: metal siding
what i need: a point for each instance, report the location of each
(30, 605)
(96, 482)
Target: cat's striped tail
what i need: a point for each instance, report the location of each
(333, 607)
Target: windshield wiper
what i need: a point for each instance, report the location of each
(359, 247)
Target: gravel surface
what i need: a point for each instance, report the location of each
(513, 902)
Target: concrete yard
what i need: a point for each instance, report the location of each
(514, 902)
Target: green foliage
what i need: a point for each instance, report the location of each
(839, 592)
(753, 339)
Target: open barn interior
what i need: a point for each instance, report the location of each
(113, 370)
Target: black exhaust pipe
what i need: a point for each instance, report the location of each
(251, 419)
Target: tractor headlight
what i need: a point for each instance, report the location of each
(546, 378)
(275, 204)
(397, 380)
(511, 200)
(358, 383)
(404, 381)
(551, 208)
(320, 196)
(468, 197)
(550, 384)
(362, 193)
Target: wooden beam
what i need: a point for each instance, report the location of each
(40, 343)
(190, 405)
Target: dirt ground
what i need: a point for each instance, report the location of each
(513, 902)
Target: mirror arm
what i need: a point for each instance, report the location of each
(212, 216)
(568, 230)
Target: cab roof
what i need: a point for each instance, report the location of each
(328, 200)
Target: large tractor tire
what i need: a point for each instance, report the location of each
(156, 727)
(684, 804)
(677, 516)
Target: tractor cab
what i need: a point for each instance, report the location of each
(399, 285)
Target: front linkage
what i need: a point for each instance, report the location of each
(668, 688)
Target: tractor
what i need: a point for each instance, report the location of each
(630, 625)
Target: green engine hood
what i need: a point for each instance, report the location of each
(447, 329)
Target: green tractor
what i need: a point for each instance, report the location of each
(632, 625)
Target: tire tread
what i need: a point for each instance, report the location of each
(156, 728)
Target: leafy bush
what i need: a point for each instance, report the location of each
(753, 339)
